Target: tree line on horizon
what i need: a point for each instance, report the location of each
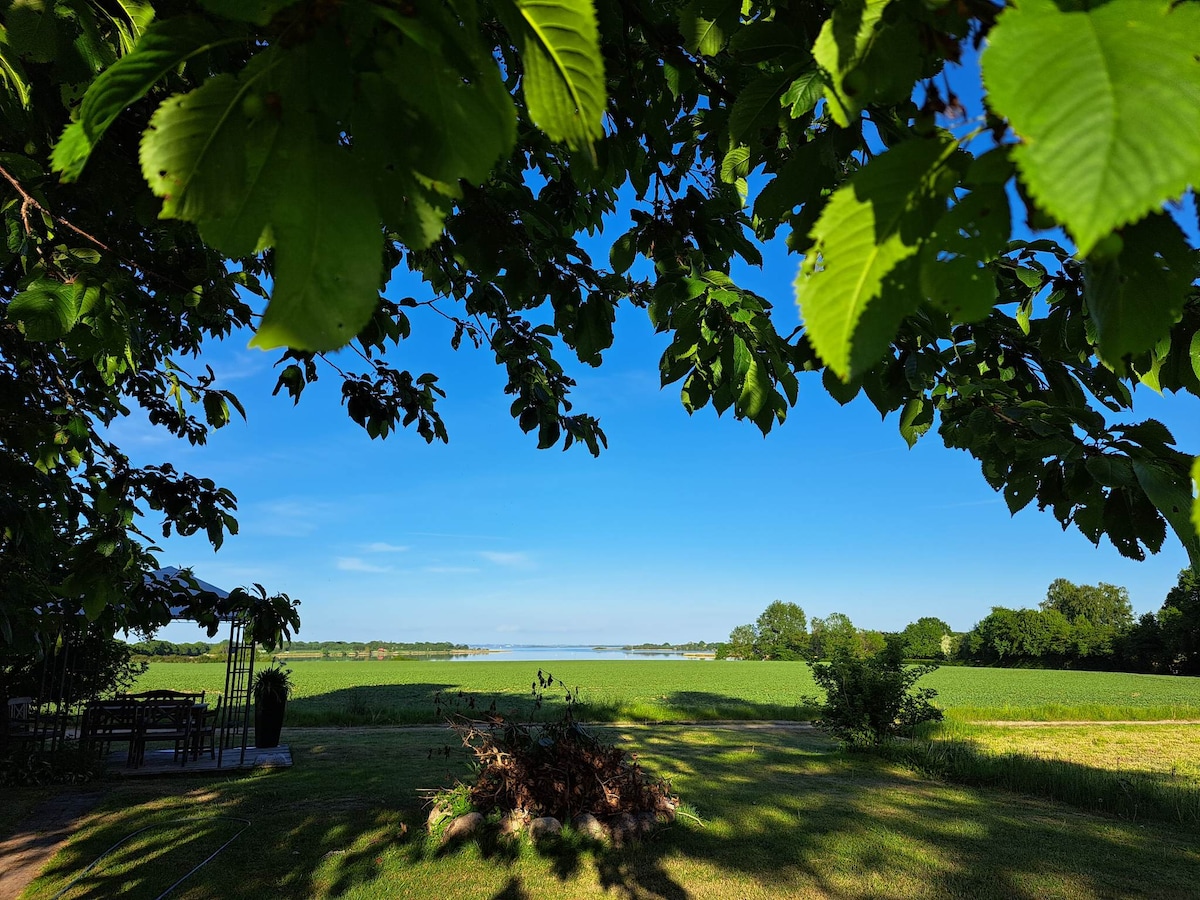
(324, 649)
(1075, 626)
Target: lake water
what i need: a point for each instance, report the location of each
(526, 653)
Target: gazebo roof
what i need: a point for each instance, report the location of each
(171, 573)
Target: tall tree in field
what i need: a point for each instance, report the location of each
(926, 638)
(1179, 622)
(1104, 605)
(782, 631)
(835, 635)
(170, 172)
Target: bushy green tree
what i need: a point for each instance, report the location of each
(835, 635)
(1179, 623)
(782, 631)
(925, 638)
(741, 644)
(869, 700)
(1103, 605)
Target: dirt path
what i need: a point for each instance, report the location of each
(25, 853)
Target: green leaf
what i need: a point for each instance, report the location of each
(328, 252)
(413, 208)
(564, 71)
(799, 183)
(623, 253)
(593, 329)
(915, 420)
(803, 93)
(1172, 494)
(1137, 296)
(851, 296)
(977, 226)
(163, 48)
(242, 227)
(32, 30)
(1196, 502)
(735, 165)
(707, 24)
(767, 40)
(1106, 102)
(963, 289)
(755, 395)
(841, 391)
(756, 106)
(216, 410)
(864, 59)
(47, 309)
(467, 120)
(12, 73)
(1194, 353)
(193, 155)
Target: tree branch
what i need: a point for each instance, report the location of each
(28, 201)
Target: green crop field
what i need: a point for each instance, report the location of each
(392, 692)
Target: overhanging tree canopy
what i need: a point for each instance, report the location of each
(159, 164)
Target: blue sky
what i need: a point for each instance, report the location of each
(684, 528)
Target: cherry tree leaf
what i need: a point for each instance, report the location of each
(1106, 102)
(1136, 296)
(163, 47)
(328, 251)
(851, 288)
(564, 71)
(193, 154)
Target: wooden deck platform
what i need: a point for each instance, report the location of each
(163, 762)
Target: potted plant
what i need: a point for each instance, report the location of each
(271, 688)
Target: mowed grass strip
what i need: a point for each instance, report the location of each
(1137, 772)
(782, 814)
(1170, 753)
(401, 692)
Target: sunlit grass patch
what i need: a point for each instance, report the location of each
(1136, 772)
(773, 813)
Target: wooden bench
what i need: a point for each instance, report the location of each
(106, 722)
(168, 720)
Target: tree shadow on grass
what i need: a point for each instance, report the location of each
(706, 706)
(781, 814)
(412, 704)
(377, 704)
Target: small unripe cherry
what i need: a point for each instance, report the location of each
(856, 82)
(252, 106)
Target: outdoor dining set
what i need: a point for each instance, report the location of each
(181, 719)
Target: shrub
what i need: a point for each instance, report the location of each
(870, 700)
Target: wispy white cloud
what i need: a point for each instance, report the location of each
(354, 564)
(384, 547)
(450, 570)
(287, 518)
(508, 560)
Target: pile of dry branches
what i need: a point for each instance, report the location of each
(557, 769)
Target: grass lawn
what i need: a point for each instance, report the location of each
(783, 815)
(1168, 752)
(400, 692)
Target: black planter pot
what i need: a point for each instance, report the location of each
(268, 721)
